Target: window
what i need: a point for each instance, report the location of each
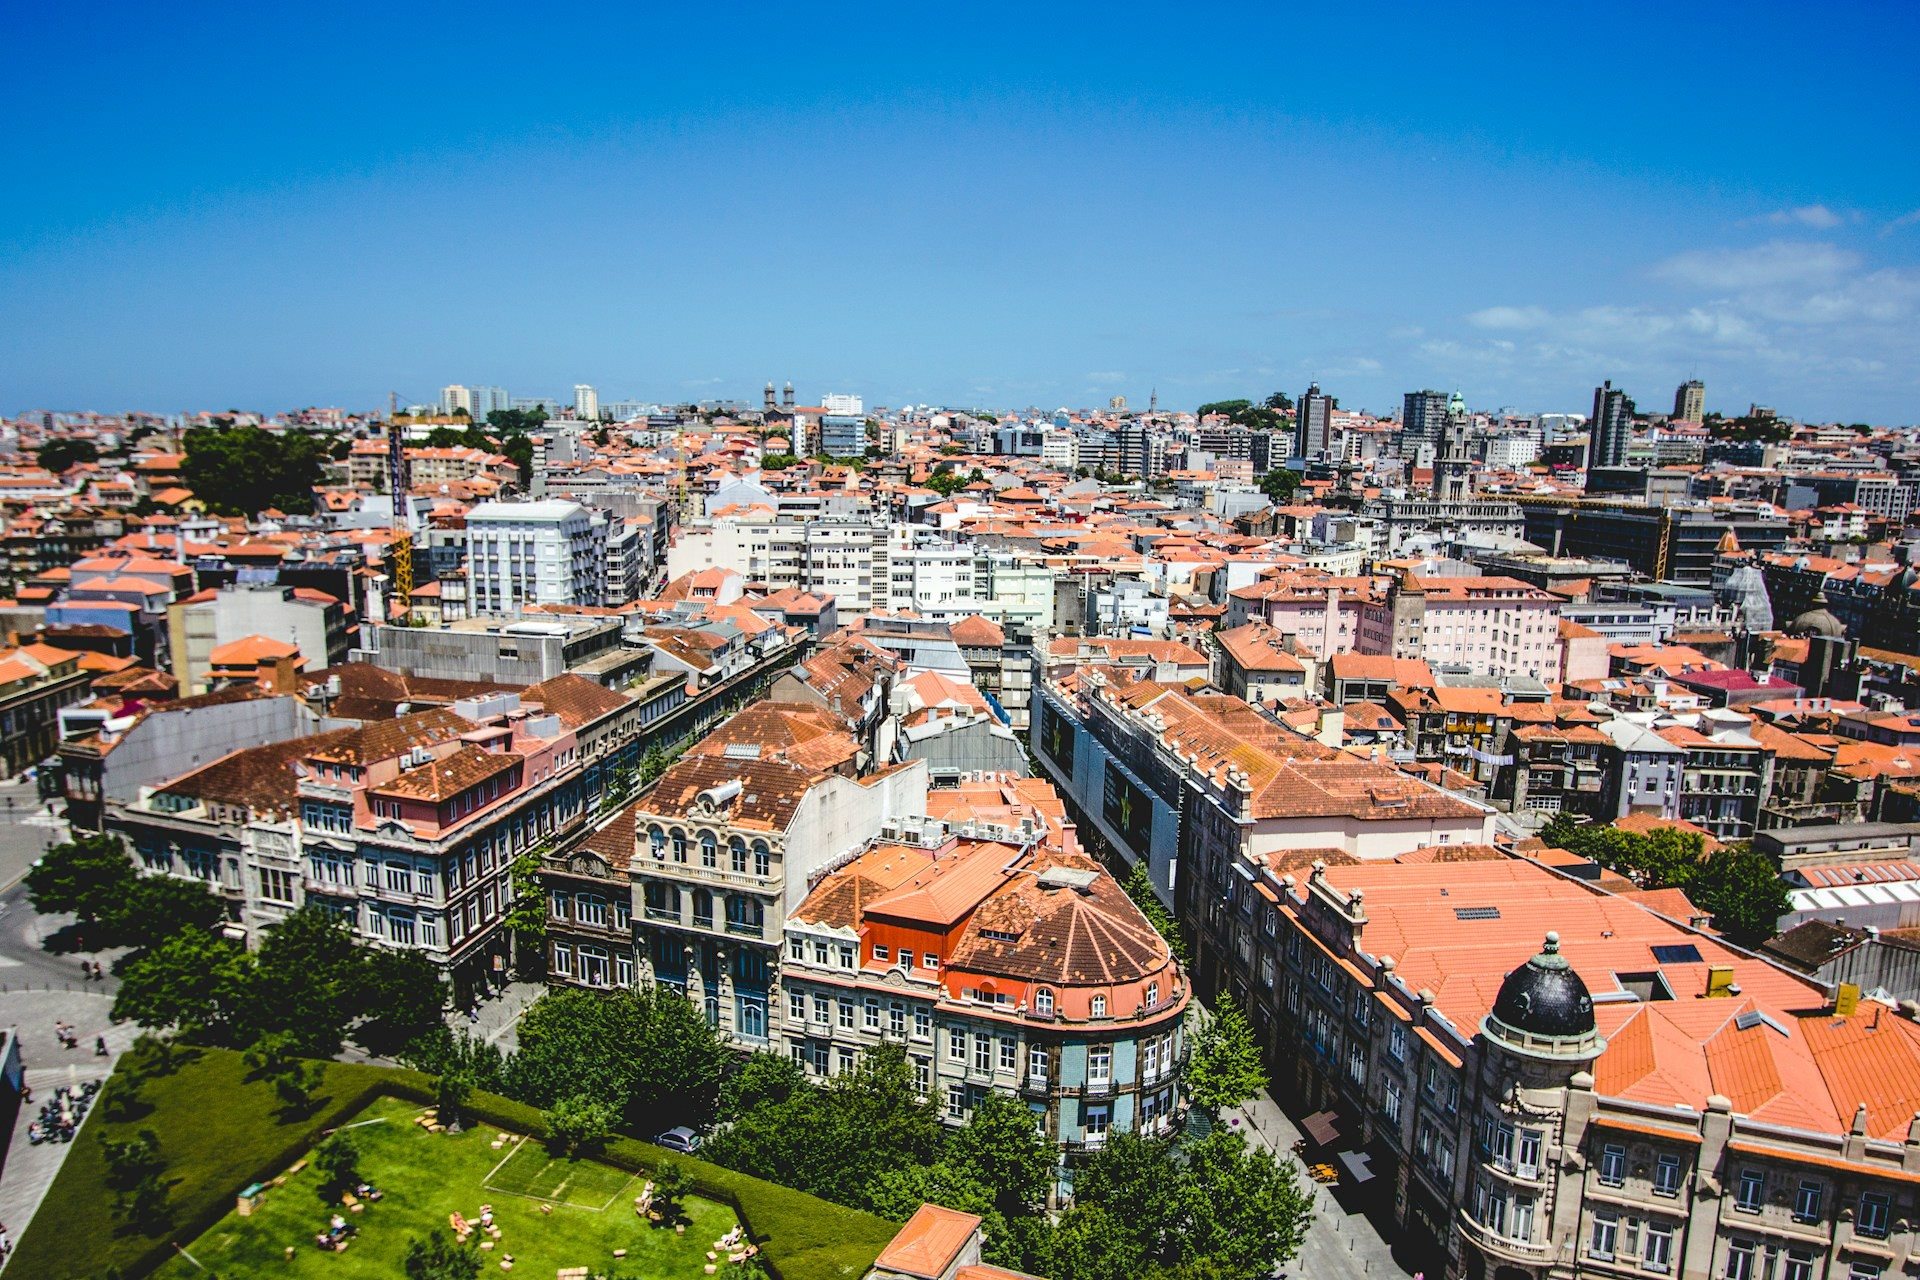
(956, 1101)
(1521, 1227)
(1875, 1209)
(762, 860)
(679, 845)
(1658, 1252)
(737, 855)
(399, 877)
(1043, 1003)
(906, 958)
(1613, 1165)
(1390, 1102)
(846, 1012)
(1100, 1066)
(1863, 1270)
(1740, 1260)
(1037, 1064)
(562, 959)
(1606, 1236)
(797, 1006)
(1009, 1053)
(1528, 1163)
(796, 949)
(1099, 1006)
(846, 955)
(1666, 1176)
(922, 1023)
(1799, 1265)
(957, 1044)
(880, 955)
(1099, 1120)
(982, 1051)
(1153, 995)
(1806, 1202)
(873, 1013)
(1397, 1042)
(1753, 1187)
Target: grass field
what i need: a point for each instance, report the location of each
(220, 1131)
(551, 1213)
(530, 1170)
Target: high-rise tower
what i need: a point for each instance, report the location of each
(1690, 401)
(1610, 428)
(1315, 415)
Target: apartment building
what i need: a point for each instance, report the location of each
(36, 682)
(1155, 773)
(725, 846)
(1726, 775)
(527, 553)
(950, 945)
(317, 624)
(1635, 1099)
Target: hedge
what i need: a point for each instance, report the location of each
(237, 1140)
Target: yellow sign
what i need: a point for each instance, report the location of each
(1846, 1001)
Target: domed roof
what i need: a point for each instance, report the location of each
(1544, 1009)
(1817, 621)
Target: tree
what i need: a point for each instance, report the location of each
(1000, 1149)
(778, 461)
(436, 1256)
(450, 1094)
(88, 878)
(310, 981)
(134, 1166)
(1135, 1179)
(1225, 1069)
(1088, 1243)
(509, 421)
(1241, 1213)
(945, 483)
(1279, 485)
(1743, 890)
(527, 909)
(1279, 401)
(1139, 887)
(337, 1160)
(58, 456)
(200, 984)
(405, 999)
(649, 1054)
(764, 1078)
(154, 908)
(670, 1187)
(244, 470)
(272, 1058)
(577, 1124)
(441, 1052)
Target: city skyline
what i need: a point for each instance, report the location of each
(972, 216)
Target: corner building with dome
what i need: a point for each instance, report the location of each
(1544, 1079)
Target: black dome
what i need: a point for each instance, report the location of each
(1545, 997)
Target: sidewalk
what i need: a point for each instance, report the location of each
(499, 1015)
(30, 1170)
(1339, 1244)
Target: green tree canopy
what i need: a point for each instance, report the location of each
(89, 878)
(578, 1123)
(649, 1054)
(1280, 484)
(1139, 887)
(243, 470)
(198, 983)
(436, 1256)
(1225, 1068)
(1739, 886)
(59, 455)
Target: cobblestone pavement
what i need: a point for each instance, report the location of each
(1340, 1245)
(30, 1170)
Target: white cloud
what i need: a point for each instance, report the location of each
(1777, 263)
(1509, 317)
(1809, 215)
(1106, 377)
(1902, 222)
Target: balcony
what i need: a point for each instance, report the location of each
(1035, 1084)
(1499, 1246)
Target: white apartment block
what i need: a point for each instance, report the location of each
(522, 553)
(586, 402)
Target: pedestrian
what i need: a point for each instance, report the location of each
(99, 974)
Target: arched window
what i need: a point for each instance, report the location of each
(703, 909)
(1043, 1002)
(737, 855)
(709, 848)
(762, 859)
(657, 842)
(679, 838)
(663, 900)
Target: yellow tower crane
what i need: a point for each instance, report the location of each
(400, 554)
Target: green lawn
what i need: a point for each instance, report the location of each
(588, 1210)
(219, 1132)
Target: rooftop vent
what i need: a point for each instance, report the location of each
(1476, 913)
(742, 751)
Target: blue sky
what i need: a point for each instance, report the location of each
(215, 206)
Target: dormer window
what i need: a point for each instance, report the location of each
(1153, 995)
(1043, 1002)
(1099, 1006)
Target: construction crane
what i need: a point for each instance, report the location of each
(400, 553)
(682, 491)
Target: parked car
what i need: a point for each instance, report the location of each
(679, 1138)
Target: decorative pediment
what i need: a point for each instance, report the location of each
(587, 864)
